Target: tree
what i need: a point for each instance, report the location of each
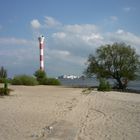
(118, 61)
(40, 76)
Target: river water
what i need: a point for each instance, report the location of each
(88, 82)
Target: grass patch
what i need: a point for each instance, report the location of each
(87, 91)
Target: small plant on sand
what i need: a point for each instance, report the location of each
(87, 91)
(3, 74)
(5, 91)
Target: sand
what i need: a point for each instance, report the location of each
(59, 113)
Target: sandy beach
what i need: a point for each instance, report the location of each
(60, 113)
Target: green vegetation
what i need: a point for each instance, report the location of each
(40, 79)
(43, 80)
(40, 76)
(5, 91)
(118, 61)
(104, 85)
(3, 74)
(51, 81)
(87, 91)
(24, 80)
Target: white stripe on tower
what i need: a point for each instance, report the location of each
(41, 46)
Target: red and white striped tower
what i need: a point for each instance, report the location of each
(41, 46)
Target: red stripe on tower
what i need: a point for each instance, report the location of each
(41, 57)
(41, 46)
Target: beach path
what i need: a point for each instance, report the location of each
(60, 113)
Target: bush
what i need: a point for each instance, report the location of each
(104, 85)
(40, 76)
(2, 80)
(5, 91)
(52, 81)
(3, 73)
(24, 80)
(43, 80)
(49, 81)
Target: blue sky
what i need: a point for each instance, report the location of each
(73, 29)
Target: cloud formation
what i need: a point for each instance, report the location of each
(50, 22)
(16, 41)
(67, 46)
(123, 36)
(35, 24)
(72, 43)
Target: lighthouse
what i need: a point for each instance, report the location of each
(41, 47)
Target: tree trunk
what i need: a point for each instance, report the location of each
(120, 84)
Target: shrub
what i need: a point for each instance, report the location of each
(52, 81)
(104, 85)
(2, 80)
(24, 80)
(5, 90)
(43, 80)
(40, 76)
(49, 81)
(3, 73)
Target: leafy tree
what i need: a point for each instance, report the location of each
(40, 76)
(118, 61)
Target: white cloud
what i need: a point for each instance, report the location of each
(78, 37)
(123, 36)
(35, 24)
(119, 31)
(127, 37)
(67, 47)
(65, 56)
(82, 39)
(60, 35)
(81, 28)
(16, 41)
(59, 54)
(50, 22)
(93, 39)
